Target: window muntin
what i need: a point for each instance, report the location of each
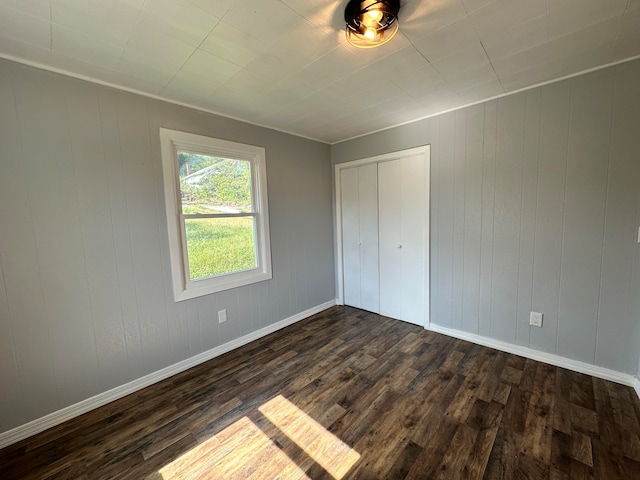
(217, 213)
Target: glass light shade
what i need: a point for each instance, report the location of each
(371, 23)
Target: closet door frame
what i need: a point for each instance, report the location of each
(426, 152)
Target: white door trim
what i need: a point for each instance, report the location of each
(423, 150)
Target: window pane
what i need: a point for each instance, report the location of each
(216, 246)
(210, 184)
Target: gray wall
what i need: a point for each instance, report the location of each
(535, 206)
(85, 292)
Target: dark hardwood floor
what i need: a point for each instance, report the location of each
(350, 394)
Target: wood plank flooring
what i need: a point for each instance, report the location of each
(348, 394)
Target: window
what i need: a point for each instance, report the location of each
(218, 223)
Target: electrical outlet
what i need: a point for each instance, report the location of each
(535, 319)
(222, 316)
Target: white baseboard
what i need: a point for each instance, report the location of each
(636, 386)
(550, 358)
(56, 418)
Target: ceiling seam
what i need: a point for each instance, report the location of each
(492, 67)
(124, 48)
(51, 25)
(193, 53)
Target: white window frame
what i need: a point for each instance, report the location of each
(171, 141)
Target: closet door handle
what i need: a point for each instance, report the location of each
(399, 245)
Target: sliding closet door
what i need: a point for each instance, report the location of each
(403, 248)
(359, 192)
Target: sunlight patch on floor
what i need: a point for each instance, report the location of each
(335, 456)
(240, 451)
(245, 450)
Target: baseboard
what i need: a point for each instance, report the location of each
(56, 418)
(552, 359)
(636, 386)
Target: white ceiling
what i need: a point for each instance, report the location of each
(285, 64)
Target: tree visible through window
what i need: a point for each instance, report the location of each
(220, 210)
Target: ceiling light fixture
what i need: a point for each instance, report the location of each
(371, 23)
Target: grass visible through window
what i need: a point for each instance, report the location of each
(219, 245)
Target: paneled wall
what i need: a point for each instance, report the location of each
(535, 206)
(85, 291)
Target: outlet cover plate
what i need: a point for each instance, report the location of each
(222, 316)
(535, 319)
